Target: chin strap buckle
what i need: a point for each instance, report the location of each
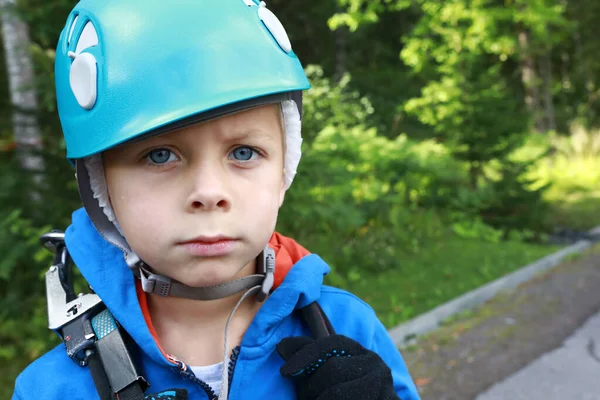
(164, 286)
(266, 266)
(156, 284)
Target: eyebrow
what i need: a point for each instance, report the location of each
(249, 134)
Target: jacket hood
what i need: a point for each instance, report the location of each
(299, 277)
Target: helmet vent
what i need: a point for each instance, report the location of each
(73, 23)
(88, 38)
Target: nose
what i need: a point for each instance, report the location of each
(209, 189)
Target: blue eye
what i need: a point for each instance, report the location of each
(161, 156)
(244, 153)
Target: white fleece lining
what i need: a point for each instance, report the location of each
(95, 169)
(292, 127)
(293, 152)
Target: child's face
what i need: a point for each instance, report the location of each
(220, 179)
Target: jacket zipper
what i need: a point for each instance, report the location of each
(187, 373)
(190, 375)
(232, 361)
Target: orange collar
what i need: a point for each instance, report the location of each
(287, 253)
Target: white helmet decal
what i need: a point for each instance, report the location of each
(272, 23)
(84, 72)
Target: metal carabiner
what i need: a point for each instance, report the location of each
(68, 314)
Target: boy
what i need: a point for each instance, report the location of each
(183, 120)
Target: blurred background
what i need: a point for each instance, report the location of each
(446, 143)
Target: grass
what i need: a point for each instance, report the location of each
(574, 195)
(444, 270)
(578, 210)
(453, 266)
(574, 171)
(501, 304)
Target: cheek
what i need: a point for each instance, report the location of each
(261, 201)
(138, 208)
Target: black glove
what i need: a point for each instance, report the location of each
(335, 368)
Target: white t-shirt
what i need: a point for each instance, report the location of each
(211, 375)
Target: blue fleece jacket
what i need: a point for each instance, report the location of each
(256, 372)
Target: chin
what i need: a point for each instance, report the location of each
(208, 277)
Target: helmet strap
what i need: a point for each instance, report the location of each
(164, 286)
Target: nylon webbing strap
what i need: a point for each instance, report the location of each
(116, 372)
(164, 286)
(317, 321)
(98, 376)
(103, 324)
(133, 392)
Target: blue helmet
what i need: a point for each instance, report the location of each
(128, 68)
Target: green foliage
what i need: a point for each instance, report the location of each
(419, 179)
(24, 335)
(476, 229)
(357, 187)
(360, 12)
(444, 269)
(571, 164)
(330, 103)
(517, 204)
(467, 98)
(571, 169)
(582, 143)
(18, 239)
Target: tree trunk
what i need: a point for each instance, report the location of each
(546, 71)
(27, 134)
(340, 47)
(530, 81)
(584, 75)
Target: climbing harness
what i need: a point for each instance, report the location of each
(93, 338)
(89, 332)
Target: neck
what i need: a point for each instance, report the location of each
(180, 323)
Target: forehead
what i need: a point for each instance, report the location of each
(260, 122)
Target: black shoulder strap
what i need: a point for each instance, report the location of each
(114, 378)
(89, 332)
(98, 375)
(131, 392)
(317, 321)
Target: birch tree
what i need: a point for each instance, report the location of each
(27, 133)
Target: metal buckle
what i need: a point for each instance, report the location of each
(68, 314)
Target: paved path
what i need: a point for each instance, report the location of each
(487, 349)
(571, 371)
